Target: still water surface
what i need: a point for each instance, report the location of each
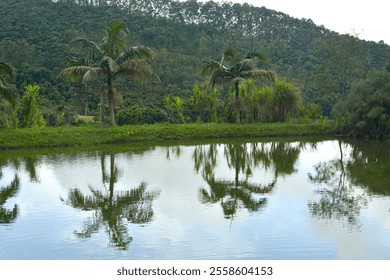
(242, 200)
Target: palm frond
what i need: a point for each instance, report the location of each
(84, 73)
(94, 73)
(256, 55)
(259, 73)
(136, 52)
(84, 61)
(219, 74)
(8, 92)
(212, 66)
(137, 69)
(74, 73)
(115, 40)
(229, 56)
(109, 64)
(6, 71)
(91, 47)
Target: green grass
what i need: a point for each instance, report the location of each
(85, 136)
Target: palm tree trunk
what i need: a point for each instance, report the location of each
(111, 101)
(86, 108)
(237, 103)
(102, 118)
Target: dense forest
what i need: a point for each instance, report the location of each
(317, 72)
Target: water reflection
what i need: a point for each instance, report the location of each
(30, 163)
(7, 192)
(241, 192)
(360, 169)
(369, 166)
(298, 196)
(111, 209)
(8, 216)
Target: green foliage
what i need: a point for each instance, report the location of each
(366, 110)
(137, 114)
(206, 103)
(30, 114)
(337, 61)
(8, 117)
(174, 109)
(199, 99)
(309, 112)
(276, 103)
(213, 101)
(285, 100)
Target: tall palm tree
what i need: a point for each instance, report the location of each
(110, 58)
(7, 91)
(236, 69)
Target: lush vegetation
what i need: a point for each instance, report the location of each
(278, 68)
(365, 111)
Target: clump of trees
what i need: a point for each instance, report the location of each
(253, 94)
(236, 69)
(272, 103)
(365, 112)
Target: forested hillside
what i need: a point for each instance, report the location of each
(36, 35)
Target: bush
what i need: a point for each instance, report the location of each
(31, 115)
(137, 114)
(285, 101)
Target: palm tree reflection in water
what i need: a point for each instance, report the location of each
(9, 216)
(243, 159)
(111, 209)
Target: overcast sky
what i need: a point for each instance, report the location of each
(368, 19)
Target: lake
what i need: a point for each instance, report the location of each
(279, 199)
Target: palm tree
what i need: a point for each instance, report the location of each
(234, 69)
(112, 57)
(7, 91)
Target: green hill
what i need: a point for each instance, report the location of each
(35, 38)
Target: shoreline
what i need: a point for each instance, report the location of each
(85, 136)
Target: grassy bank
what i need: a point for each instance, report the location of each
(95, 135)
